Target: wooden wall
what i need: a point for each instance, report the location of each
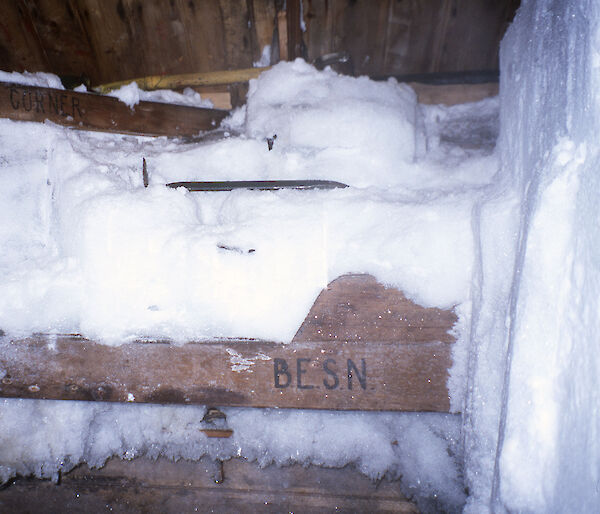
(409, 36)
(109, 40)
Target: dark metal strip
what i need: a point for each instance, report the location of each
(268, 185)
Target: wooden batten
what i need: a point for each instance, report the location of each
(453, 94)
(232, 486)
(211, 78)
(89, 111)
(362, 347)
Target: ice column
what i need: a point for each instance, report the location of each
(548, 451)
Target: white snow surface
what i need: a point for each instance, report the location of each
(131, 94)
(96, 253)
(514, 247)
(87, 249)
(32, 79)
(534, 396)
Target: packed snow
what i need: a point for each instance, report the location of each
(88, 226)
(509, 239)
(87, 249)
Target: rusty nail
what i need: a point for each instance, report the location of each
(144, 172)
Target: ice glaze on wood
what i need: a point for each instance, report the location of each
(362, 347)
(88, 111)
(161, 485)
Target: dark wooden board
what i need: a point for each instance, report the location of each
(319, 375)
(358, 308)
(88, 111)
(362, 347)
(144, 485)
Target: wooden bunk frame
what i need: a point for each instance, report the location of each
(362, 347)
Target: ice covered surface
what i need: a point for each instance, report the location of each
(374, 443)
(534, 400)
(92, 251)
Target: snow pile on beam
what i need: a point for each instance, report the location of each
(115, 261)
(87, 249)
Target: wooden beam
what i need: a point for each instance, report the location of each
(362, 347)
(209, 78)
(235, 485)
(342, 375)
(90, 111)
(453, 94)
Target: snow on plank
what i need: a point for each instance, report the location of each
(89, 111)
(362, 347)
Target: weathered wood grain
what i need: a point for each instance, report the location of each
(20, 45)
(362, 347)
(86, 111)
(111, 40)
(358, 308)
(144, 485)
(295, 46)
(412, 36)
(61, 35)
(345, 375)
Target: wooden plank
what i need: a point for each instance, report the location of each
(262, 15)
(295, 46)
(218, 95)
(110, 40)
(209, 78)
(312, 375)
(144, 485)
(412, 36)
(362, 347)
(358, 308)
(86, 111)
(452, 94)
(236, 33)
(133, 38)
(358, 27)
